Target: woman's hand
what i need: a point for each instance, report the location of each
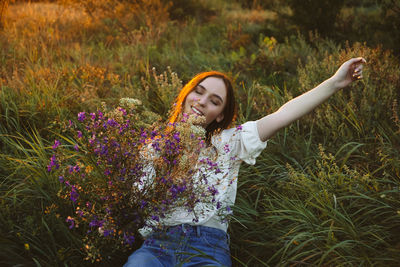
(348, 72)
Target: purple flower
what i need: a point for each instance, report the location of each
(239, 127)
(56, 144)
(79, 134)
(104, 150)
(185, 117)
(76, 168)
(107, 232)
(71, 221)
(213, 190)
(218, 205)
(143, 204)
(122, 110)
(93, 116)
(129, 239)
(61, 179)
(76, 147)
(70, 169)
(80, 213)
(226, 148)
(155, 218)
(74, 194)
(176, 136)
(96, 223)
(53, 163)
(112, 122)
(81, 116)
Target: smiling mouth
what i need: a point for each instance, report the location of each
(196, 111)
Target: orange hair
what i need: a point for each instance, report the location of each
(229, 109)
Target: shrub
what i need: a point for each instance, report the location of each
(3, 9)
(186, 9)
(320, 15)
(127, 14)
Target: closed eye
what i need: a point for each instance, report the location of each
(199, 90)
(215, 102)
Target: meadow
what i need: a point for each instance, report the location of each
(326, 190)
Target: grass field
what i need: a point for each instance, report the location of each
(326, 190)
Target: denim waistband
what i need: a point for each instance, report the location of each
(197, 230)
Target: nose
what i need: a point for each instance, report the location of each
(202, 100)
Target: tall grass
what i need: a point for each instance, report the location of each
(325, 191)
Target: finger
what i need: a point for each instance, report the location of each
(357, 76)
(359, 60)
(356, 62)
(359, 68)
(357, 71)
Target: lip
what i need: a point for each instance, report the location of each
(197, 111)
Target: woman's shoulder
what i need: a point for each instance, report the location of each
(237, 130)
(239, 134)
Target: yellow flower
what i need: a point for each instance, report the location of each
(26, 245)
(88, 169)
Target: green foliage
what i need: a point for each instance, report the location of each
(320, 15)
(326, 190)
(374, 22)
(363, 109)
(186, 9)
(318, 212)
(255, 3)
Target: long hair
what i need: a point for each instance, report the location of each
(229, 109)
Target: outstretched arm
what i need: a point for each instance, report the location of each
(296, 108)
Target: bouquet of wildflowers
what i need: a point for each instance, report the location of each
(122, 168)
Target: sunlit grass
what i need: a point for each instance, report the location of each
(325, 192)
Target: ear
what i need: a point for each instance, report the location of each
(220, 117)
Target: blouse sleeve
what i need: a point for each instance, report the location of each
(242, 142)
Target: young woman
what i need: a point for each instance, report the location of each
(202, 240)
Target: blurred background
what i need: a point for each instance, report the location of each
(326, 190)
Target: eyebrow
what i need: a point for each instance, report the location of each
(220, 98)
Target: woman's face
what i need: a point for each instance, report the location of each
(207, 99)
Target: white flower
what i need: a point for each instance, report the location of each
(130, 102)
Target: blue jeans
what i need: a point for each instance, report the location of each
(183, 245)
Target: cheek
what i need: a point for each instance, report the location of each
(189, 99)
(214, 113)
